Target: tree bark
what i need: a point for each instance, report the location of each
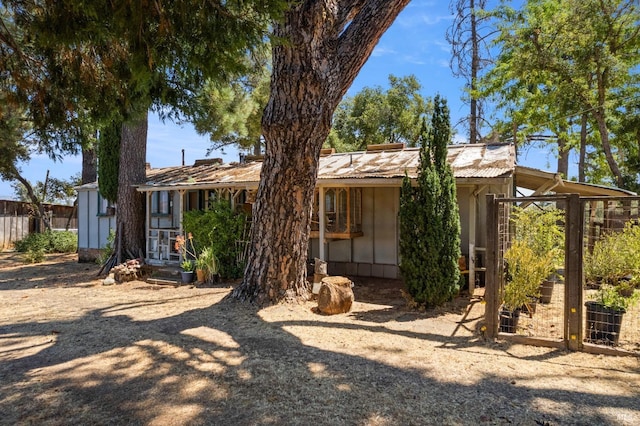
(583, 147)
(563, 157)
(326, 44)
(130, 203)
(89, 165)
(475, 65)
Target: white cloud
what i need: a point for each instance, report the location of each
(414, 20)
(379, 51)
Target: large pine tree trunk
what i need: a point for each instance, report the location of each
(563, 157)
(89, 165)
(326, 44)
(475, 65)
(583, 147)
(131, 210)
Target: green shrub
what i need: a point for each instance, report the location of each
(33, 255)
(526, 270)
(48, 242)
(32, 242)
(615, 256)
(219, 228)
(539, 228)
(63, 242)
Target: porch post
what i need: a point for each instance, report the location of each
(493, 282)
(147, 222)
(181, 216)
(321, 223)
(471, 264)
(573, 294)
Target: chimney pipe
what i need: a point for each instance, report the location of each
(183, 156)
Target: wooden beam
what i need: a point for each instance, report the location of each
(492, 279)
(321, 223)
(573, 293)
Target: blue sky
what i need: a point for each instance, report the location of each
(415, 44)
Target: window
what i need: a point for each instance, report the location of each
(105, 207)
(160, 203)
(342, 213)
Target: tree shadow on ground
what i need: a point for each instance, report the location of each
(223, 364)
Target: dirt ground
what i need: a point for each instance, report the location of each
(76, 352)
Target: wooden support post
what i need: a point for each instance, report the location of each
(471, 263)
(321, 224)
(573, 293)
(492, 279)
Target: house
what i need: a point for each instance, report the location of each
(356, 203)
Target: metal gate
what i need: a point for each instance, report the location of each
(564, 309)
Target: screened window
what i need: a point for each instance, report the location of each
(160, 203)
(342, 213)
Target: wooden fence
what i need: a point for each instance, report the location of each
(17, 220)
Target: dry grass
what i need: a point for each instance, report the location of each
(73, 351)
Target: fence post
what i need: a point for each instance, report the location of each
(492, 281)
(573, 294)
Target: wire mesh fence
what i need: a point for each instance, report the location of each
(612, 272)
(565, 271)
(531, 255)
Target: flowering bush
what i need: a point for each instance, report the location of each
(185, 247)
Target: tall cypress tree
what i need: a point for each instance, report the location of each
(109, 160)
(429, 218)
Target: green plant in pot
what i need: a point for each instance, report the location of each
(186, 274)
(540, 228)
(208, 263)
(524, 273)
(187, 266)
(605, 312)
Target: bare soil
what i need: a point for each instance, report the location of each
(76, 352)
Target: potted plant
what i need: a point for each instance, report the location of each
(208, 263)
(201, 266)
(524, 273)
(606, 310)
(186, 274)
(538, 228)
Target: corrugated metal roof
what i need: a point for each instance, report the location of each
(467, 161)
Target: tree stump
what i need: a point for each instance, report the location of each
(335, 296)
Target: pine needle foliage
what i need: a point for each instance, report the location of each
(430, 218)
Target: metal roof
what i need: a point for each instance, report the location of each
(534, 179)
(467, 161)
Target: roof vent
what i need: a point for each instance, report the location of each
(249, 158)
(207, 162)
(386, 147)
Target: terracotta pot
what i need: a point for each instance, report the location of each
(200, 275)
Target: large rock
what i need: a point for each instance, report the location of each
(335, 296)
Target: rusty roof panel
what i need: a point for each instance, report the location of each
(467, 161)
